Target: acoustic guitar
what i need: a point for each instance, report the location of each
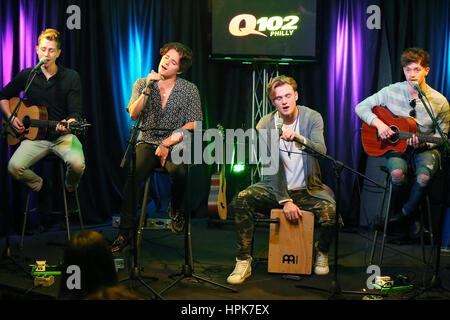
(217, 200)
(36, 123)
(404, 128)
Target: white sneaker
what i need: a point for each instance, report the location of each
(242, 271)
(321, 264)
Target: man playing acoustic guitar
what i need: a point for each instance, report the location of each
(59, 90)
(403, 100)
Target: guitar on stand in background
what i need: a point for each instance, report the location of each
(217, 200)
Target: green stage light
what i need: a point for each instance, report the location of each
(238, 167)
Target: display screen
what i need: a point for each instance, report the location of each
(269, 28)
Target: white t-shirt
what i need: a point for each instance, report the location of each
(291, 156)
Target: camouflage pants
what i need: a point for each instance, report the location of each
(257, 198)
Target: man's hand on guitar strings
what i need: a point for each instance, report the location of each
(413, 142)
(17, 125)
(384, 131)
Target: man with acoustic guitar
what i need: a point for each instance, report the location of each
(58, 89)
(402, 100)
(295, 186)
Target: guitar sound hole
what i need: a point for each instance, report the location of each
(395, 137)
(26, 122)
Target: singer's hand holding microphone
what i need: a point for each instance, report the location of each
(289, 134)
(152, 76)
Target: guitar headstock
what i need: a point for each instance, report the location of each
(78, 127)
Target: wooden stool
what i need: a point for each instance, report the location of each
(291, 245)
(66, 210)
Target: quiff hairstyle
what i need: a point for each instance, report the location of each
(279, 81)
(50, 35)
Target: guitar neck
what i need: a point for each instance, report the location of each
(45, 123)
(404, 135)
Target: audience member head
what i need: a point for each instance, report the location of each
(90, 251)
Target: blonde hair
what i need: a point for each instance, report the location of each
(279, 81)
(50, 35)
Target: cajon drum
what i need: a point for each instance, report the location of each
(291, 245)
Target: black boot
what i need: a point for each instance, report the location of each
(177, 220)
(123, 240)
(400, 221)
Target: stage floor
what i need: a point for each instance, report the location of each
(213, 248)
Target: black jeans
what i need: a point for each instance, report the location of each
(146, 163)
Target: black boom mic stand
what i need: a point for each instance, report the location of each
(7, 129)
(135, 273)
(436, 282)
(187, 270)
(335, 290)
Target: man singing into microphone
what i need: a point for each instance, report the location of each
(402, 99)
(58, 89)
(295, 186)
(174, 103)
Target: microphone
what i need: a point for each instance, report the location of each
(416, 86)
(151, 81)
(279, 122)
(38, 66)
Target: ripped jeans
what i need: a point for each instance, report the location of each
(426, 165)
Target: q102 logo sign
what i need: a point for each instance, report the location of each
(246, 24)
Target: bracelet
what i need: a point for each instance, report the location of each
(164, 145)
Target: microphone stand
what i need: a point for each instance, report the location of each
(187, 270)
(6, 253)
(336, 292)
(436, 282)
(135, 272)
(7, 123)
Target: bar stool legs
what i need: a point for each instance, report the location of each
(386, 221)
(66, 209)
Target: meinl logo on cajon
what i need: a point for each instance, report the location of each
(290, 258)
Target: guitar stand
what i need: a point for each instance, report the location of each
(188, 269)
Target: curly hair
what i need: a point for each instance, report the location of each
(416, 55)
(184, 51)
